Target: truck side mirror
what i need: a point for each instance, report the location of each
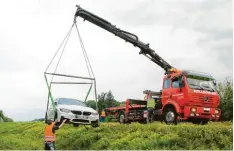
(181, 81)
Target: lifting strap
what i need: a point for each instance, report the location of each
(88, 65)
(65, 40)
(50, 94)
(88, 93)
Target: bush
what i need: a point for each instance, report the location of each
(225, 90)
(109, 118)
(115, 136)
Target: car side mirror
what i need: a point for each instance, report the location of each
(55, 103)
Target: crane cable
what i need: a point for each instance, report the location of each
(88, 65)
(50, 97)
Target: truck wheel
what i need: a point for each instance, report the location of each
(75, 124)
(121, 118)
(204, 122)
(143, 121)
(170, 116)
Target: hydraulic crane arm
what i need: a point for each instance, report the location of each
(129, 37)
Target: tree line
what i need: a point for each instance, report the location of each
(225, 90)
(105, 100)
(4, 118)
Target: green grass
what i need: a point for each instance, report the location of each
(113, 136)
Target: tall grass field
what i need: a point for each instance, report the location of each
(113, 136)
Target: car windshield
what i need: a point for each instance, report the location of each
(71, 102)
(200, 83)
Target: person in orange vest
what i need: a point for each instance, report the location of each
(103, 115)
(49, 134)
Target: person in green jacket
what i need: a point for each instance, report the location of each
(150, 107)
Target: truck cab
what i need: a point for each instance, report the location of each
(190, 96)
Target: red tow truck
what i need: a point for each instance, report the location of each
(185, 95)
(179, 100)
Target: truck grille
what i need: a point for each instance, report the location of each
(77, 112)
(202, 99)
(86, 113)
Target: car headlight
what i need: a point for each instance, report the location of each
(193, 109)
(65, 110)
(94, 113)
(216, 111)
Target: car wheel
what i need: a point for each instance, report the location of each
(55, 116)
(170, 116)
(75, 124)
(46, 119)
(95, 124)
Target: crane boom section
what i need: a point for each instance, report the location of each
(127, 36)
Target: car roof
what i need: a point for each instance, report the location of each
(67, 99)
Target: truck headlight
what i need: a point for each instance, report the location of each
(216, 111)
(65, 110)
(193, 109)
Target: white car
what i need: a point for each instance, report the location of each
(75, 111)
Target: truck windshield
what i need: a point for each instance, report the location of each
(70, 102)
(200, 83)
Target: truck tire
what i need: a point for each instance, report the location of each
(170, 116)
(121, 118)
(204, 122)
(144, 121)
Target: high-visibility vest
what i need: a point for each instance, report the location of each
(49, 136)
(151, 103)
(103, 114)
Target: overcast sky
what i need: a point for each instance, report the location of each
(194, 34)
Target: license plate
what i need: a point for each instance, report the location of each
(206, 109)
(81, 117)
(85, 117)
